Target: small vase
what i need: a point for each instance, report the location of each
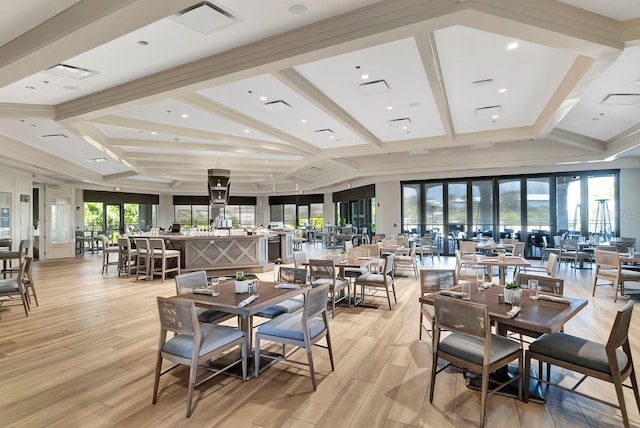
(513, 296)
(242, 286)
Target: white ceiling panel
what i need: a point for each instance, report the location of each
(620, 10)
(409, 96)
(592, 118)
(133, 134)
(303, 120)
(530, 74)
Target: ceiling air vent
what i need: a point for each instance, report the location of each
(401, 122)
(488, 110)
(374, 87)
(482, 82)
(70, 72)
(324, 131)
(315, 168)
(54, 136)
(204, 18)
(621, 99)
(276, 106)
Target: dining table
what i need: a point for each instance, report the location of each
(502, 263)
(536, 317)
(229, 301)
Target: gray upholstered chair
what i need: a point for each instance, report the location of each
(185, 283)
(545, 284)
(549, 269)
(608, 268)
(106, 252)
(287, 275)
(23, 250)
(383, 281)
(570, 252)
(406, 262)
(193, 344)
(14, 287)
(160, 253)
(433, 280)
(299, 330)
(611, 362)
(323, 272)
(471, 346)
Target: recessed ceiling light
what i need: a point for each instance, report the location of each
(332, 136)
(185, 115)
(414, 104)
(30, 87)
(513, 45)
(495, 116)
(154, 133)
(404, 127)
(246, 131)
(298, 9)
(389, 107)
(303, 121)
(143, 42)
(502, 90)
(263, 98)
(364, 76)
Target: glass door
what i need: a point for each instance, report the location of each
(113, 221)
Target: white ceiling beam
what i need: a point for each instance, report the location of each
(576, 140)
(213, 107)
(431, 63)
(623, 142)
(296, 82)
(119, 175)
(26, 111)
(82, 27)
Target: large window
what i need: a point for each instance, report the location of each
(568, 205)
(538, 204)
(510, 217)
(202, 216)
(316, 215)
(482, 198)
(601, 207)
(410, 208)
(5, 215)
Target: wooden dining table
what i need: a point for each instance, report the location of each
(228, 300)
(536, 317)
(513, 261)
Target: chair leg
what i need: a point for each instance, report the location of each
(434, 368)
(330, 349)
(34, 294)
(311, 369)
(192, 384)
(388, 296)
(483, 396)
(634, 387)
(393, 288)
(256, 356)
(617, 383)
(156, 382)
(420, 326)
(243, 355)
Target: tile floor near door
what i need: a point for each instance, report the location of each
(86, 357)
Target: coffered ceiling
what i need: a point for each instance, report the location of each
(310, 96)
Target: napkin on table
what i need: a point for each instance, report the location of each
(248, 300)
(291, 286)
(513, 312)
(452, 293)
(556, 299)
(201, 291)
(486, 285)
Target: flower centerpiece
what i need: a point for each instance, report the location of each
(513, 293)
(242, 283)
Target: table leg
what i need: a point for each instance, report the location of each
(501, 274)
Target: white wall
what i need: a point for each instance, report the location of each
(328, 211)
(165, 211)
(79, 213)
(630, 203)
(388, 207)
(21, 213)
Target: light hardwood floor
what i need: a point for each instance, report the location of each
(86, 357)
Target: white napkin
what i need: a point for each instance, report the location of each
(291, 286)
(486, 285)
(201, 291)
(513, 312)
(458, 294)
(556, 299)
(248, 300)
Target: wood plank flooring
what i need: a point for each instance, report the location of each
(86, 357)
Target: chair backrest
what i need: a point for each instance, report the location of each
(188, 281)
(105, 241)
(623, 246)
(545, 284)
(124, 244)
(315, 303)
(556, 241)
(142, 244)
(607, 259)
(291, 275)
(606, 248)
(178, 316)
(518, 249)
(462, 316)
(568, 245)
(467, 247)
(27, 277)
(388, 265)
(426, 241)
(433, 280)
(348, 245)
(551, 264)
(321, 268)
(157, 244)
(373, 249)
(619, 335)
(23, 248)
(299, 258)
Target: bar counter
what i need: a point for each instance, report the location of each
(221, 254)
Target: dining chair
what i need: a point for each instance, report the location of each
(463, 271)
(406, 262)
(427, 247)
(470, 345)
(143, 257)
(546, 284)
(159, 252)
(194, 343)
(128, 256)
(186, 282)
(611, 362)
(608, 268)
(379, 281)
(292, 276)
(351, 273)
(324, 272)
(27, 281)
(14, 287)
(299, 259)
(433, 280)
(468, 254)
(106, 252)
(555, 249)
(548, 269)
(23, 250)
(299, 330)
(570, 252)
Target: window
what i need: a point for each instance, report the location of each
(482, 200)
(510, 217)
(290, 216)
(538, 204)
(568, 205)
(93, 216)
(182, 215)
(601, 205)
(5, 215)
(316, 213)
(59, 229)
(303, 215)
(410, 208)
